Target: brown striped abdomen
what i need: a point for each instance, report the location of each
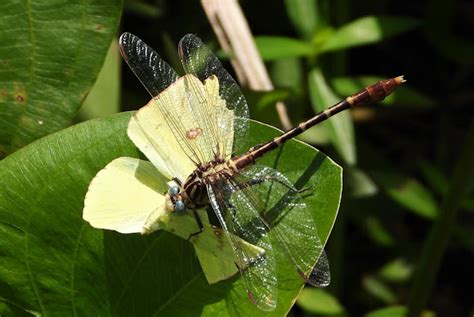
(368, 95)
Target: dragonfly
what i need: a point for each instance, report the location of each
(209, 118)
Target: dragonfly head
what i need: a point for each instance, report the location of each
(177, 203)
(179, 206)
(173, 190)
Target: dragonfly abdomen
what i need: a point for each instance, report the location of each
(368, 95)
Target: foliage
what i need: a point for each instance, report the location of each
(401, 210)
(54, 262)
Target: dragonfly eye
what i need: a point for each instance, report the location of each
(179, 206)
(173, 190)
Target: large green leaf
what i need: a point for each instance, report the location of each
(50, 55)
(53, 262)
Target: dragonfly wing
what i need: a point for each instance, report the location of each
(198, 60)
(197, 117)
(153, 72)
(148, 127)
(320, 275)
(188, 109)
(289, 219)
(238, 217)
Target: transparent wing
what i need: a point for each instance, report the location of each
(239, 217)
(153, 72)
(198, 118)
(193, 110)
(149, 128)
(198, 60)
(289, 219)
(320, 275)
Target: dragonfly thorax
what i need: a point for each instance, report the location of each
(194, 191)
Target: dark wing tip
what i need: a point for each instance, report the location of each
(124, 44)
(320, 276)
(125, 38)
(128, 43)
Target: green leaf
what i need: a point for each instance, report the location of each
(287, 73)
(104, 97)
(277, 47)
(319, 301)
(50, 56)
(378, 232)
(264, 99)
(409, 97)
(379, 289)
(340, 127)
(393, 311)
(306, 16)
(397, 270)
(143, 8)
(368, 30)
(53, 262)
(316, 135)
(408, 192)
(359, 183)
(396, 311)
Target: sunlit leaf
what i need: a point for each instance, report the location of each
(54, 263)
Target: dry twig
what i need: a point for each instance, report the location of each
(235, 37)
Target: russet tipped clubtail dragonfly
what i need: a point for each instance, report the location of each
(209, 119)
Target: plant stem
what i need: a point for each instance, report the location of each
(437, 240)
(233, 32)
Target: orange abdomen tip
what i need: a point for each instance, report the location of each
(400, 79)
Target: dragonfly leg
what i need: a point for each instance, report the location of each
(199, 223)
